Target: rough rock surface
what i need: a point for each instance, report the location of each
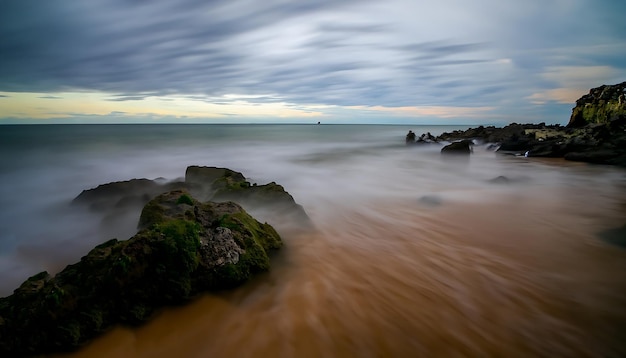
(185, 247)
(596, 132)
(601, 105)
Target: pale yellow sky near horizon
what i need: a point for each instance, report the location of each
(31, 105)
(573, 82)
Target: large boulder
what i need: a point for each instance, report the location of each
(602, 105)
(185, 247)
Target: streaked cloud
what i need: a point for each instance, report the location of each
(571, 82)
(432, 111)
(243, 58)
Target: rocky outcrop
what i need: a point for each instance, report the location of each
(119, 194)
(271, 202)
(594, 143)
(596, 132)
(492, 134)
(602, 105)
(185, 247)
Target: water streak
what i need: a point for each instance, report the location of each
(412, 255)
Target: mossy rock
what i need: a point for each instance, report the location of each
(272, 200)
(185, 247)
(601, 105)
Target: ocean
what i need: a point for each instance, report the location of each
(412, 254)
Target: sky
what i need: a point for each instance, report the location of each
(332, 61)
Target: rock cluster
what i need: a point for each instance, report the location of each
(184, 247)
(596, 132)
(269, 201)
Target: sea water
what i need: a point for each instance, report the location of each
(412, 254)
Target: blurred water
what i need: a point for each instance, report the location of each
(413, 254)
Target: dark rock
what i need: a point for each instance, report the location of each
(600, 156)
(202, 175)
(186, 247)
(462, 147)
(514, 145)
(116, 194)
(270, 201)
(410, 138)
(430, 200)
(120, 200)
(615, 236)
(500, 180)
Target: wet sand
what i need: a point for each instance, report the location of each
(519, 274)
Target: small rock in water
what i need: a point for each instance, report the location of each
(615, 236)
(500, 180)
(430, 200)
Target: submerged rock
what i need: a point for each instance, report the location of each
(185, 247)
(616, 236)
(430, 200)
(501, 179)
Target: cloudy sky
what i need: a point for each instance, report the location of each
(334, 61)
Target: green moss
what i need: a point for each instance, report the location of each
(69, 334)
(106, 244)
(181, 240)
(93, 319)
(139, 313)
(40, 276)
(152, 213)
(122, 264)
(184, 199)
(602, 112)
(126, 281)
(176, 250)
(260, 240)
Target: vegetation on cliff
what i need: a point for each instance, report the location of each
(602, 105)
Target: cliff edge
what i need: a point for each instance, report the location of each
(602, 105)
